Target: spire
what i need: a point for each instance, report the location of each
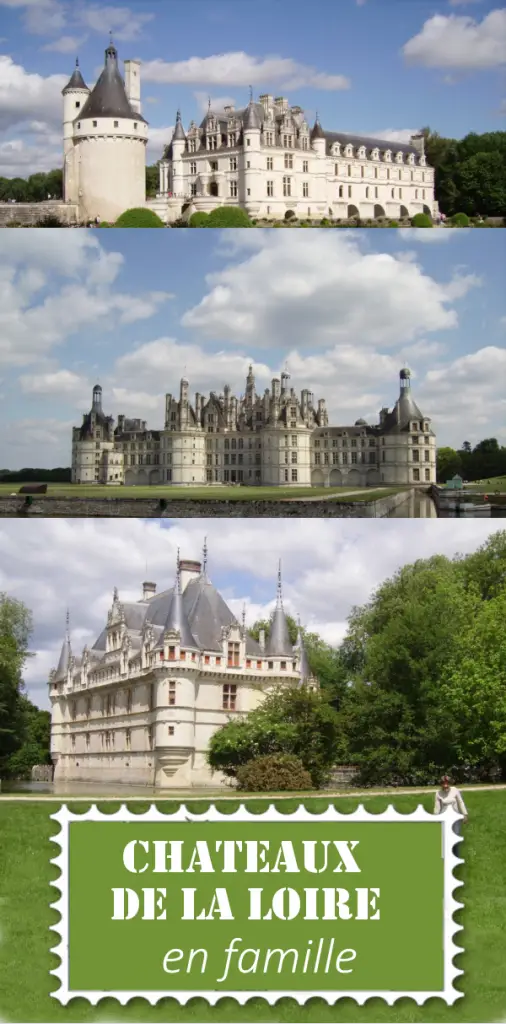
(65, 654)
(203, 571)
(76, 80)
(251, 119)
(178, 130)
(177, 619)
(279, 636)
(317, 130)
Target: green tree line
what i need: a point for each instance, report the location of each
(487, 459)
(417, 688)
(24, 729)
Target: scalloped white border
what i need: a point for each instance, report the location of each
(183, 813)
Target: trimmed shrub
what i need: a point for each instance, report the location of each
(139, 217)
(460, 220)
(105, 224)
(393, 224)
(273, 773)
(228, 217)
(290, 215)
(421, 220)
(198, 220)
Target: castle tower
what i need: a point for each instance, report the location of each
(93, 445)
(178, 145)
(279, 637)
(253, 168)
(318, 138)
(110, 138)
(408, 443)
(74, 94)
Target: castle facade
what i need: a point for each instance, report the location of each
(277, 439)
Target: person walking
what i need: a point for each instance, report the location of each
(450, 796)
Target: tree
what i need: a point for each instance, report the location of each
(152, 180)
(449, 464)
(35, 744)
(15, 630)
(481, 184)
(292, 720)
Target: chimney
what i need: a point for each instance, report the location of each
(190, 570)
(133, 84)
(261, 639)
(148, 590)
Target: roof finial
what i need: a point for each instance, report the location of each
(110, 38)
(77, 62)
(251, 94)
(178, 573)
(178, 115)
(316, 117)
(68, 625)
(204, 557)
(279, 596)
(244, 615)
(208, 104)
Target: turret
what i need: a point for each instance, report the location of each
(74, 94)
(252, 126)
(96, 402)
(178, 146)
(177, 619)
(318, 138)
(279, 636)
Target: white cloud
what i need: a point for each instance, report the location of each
(65, 44)
(286, 293)
(240, 69)
(459, 41)
(60, 382)
(158, 138)
(42, 17)
(30, 327)
(25, 96)
(428, 237)
(394, 134)
(218, 103)
(325, 571)
(124, 23)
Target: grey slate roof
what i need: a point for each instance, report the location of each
(63, 664)
(178, 130)
(76, 81)
(108, 98)
(317, 130)
(369, 143)
(279, 642)
(405, 410)
(204, 609)
(252, 119)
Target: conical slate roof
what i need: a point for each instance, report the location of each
(279, 637)
(317, 130)
(251, 119)
(109, 98)
(76, 81)
(177, 618)
(178, 130)
(65, 655)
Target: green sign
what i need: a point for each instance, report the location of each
(242, 904)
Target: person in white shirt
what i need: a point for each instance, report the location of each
(450, 796)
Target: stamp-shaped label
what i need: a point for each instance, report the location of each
(244, 905)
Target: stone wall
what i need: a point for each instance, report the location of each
(30, 214)
(342, 776)
(42, 773)
(189, 509)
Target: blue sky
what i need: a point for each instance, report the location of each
(367, 66)
(343, 310)
(55, 564)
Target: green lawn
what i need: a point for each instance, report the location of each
(199, 493)
(493, 483)
(25, 917)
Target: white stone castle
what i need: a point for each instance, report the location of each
(277, 439)
(140, 706)
(263, 157)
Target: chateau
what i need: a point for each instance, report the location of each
(274, 439)
(263, 157)
(140, 706)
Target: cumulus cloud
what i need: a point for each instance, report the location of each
(459, 41)
(65, 44)
(25, 96)
(288, 290)
(240, 69)
(95, 555)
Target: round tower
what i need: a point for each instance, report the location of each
(318, 138)
(74, 94)
(178, 145)
(110, 137)
(253, 159)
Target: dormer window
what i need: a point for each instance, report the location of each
(361, 153)
(349, 150)
(400, 158)
(388, 155)
(375, 154)
(233, 655)
(423, 161)
(411, 158)
(336, 149)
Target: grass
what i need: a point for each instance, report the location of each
(493, 483)
(221, 493)
(25, 917)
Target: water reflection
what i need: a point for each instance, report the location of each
(416, 506)
(103, 790)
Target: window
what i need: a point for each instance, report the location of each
(95, 124)
(427, 474)
(229, 696)
(287, 186)
(270, 188)
(416, 475)
(283, 666)
(427, 455)
(172, 653)
(193, 192)
(367, 192)
(349, 191)
(341, 193)
(375, 172)
(233, 655)
(135, 125)
(233, 163)
(294, 476)
(416, 455)
(349, 170)
(128, 739)
(336, 170)
(270, 664)
(270, 163)
(116, 124)
(288, 161)
(362, 172)
(170, 730)
(172, 692)
(305, 189)
(193, 166)
(305, 166)
(233, 190)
